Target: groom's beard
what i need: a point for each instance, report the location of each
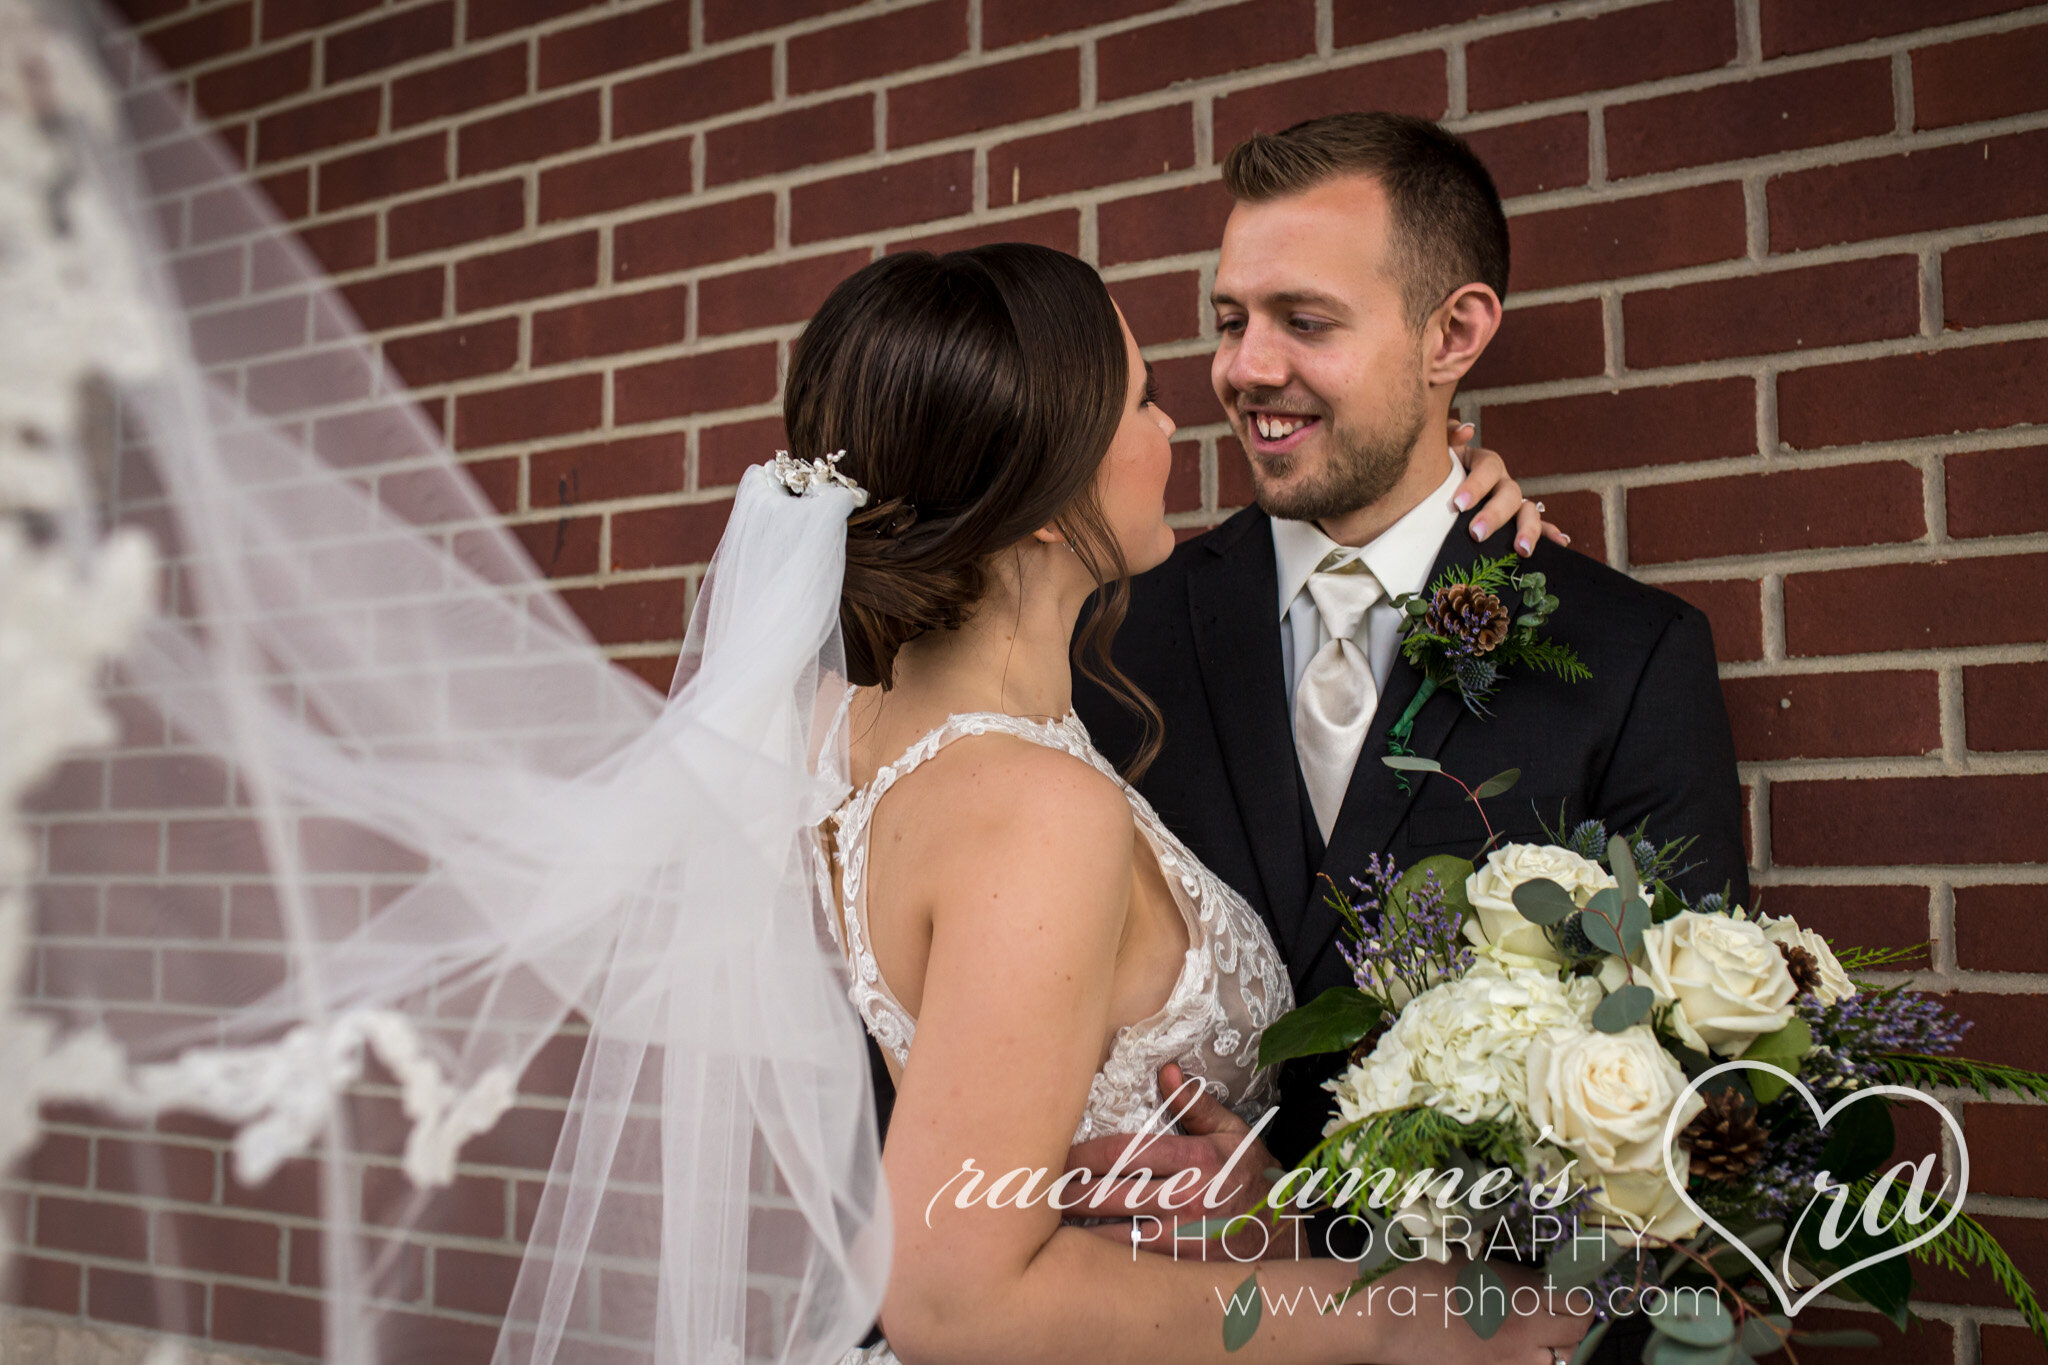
(1363, 467)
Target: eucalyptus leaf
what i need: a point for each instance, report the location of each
(1623, 1008)
(1498, 783)
(1241, 1318)
(1489, 1301)
(1543, 901)
(1694, 1319)
(1635, 918)
(1601, 932)
(1528, 620)
(1765, 1333)
(1581, 1260)
(1332, 1022)
(1590, 1342)
(1411, 764)
(1664, 1350)
(1622, 863)
(1852, 1337)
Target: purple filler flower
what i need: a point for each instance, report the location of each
(1401, 945)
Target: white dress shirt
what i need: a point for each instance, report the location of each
(1400, 558)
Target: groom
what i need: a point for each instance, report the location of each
(1360, 279)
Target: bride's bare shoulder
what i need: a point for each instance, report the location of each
(995, 797)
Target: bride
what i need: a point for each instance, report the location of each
(1030, 945)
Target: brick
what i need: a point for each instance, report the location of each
(1161, 308)
(77, 785)
(103, 847)
(383, 170)
(658, 170)
(192, 977)
(1542, 154)
(1924, 1342)
(90, 1227)
(555, 266)
(461, 216)
(278, 1322)
(562, 547)
(228, 1246)
(1368, 21)
(60, 1159)
(1998, 928)
(282, 18)
(736, 377)
(381, 43)
(395, 300)
(1580, 514)
(204, 37)
(2009, 1145)
(1553, 341)
(39, 1282)
(664, 537)
(614, 43)
(1909, 820)
(1991, 76)
(1993, 282)
(1734, 608)
(154, 1301)
(530, 133)
(503, 16)
(1873, 916)
(1060, 230)
(1998, 1344)
(1981, 181)
(786, 292)
(474, 1281)
(1974, 388)
(1945, 604)
(1809, 25)
(1997, 492)
(1092, 154)
(1783, 310)
(1833, 715)
(1798, 509)
(523, 412)
(2002, 708)
(610, 324)
(898, 40)
(154, 781)
(455, 353)
(259, 81)
(108, 973)
(1004, 22)
(459, 86)
(684, 94)
(731, 18)
(343, 245)
(1675, 38)
(634, 468)
(782, 142)
(158, 1169)
(1615, 238)
(1238, 38)
(1714, 419)
(630, 613)
(1750, 118)
(1165, 223)
(1184, 480)
(1184, 391)
(724, 452)
(694, 237)
(985, 97)
(314, 127)
(890, 196)
(1414, 84)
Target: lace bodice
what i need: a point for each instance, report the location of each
(1231, 982)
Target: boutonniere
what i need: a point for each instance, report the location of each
(1461, 634)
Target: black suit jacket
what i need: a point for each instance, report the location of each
(1644, 741)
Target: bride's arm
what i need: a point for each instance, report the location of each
(1024, 857)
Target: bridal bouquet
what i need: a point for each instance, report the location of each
(1679, 1108)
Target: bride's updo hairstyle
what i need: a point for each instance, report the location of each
(975, 395)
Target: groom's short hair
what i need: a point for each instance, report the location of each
(1448, 228)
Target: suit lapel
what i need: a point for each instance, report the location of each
(1232, 603)
(1374, 804)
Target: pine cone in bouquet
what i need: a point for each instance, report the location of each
(1473, 617)
(1725, 1138)
(1803, 966)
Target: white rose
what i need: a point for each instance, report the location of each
(1462, 1046)
(1633, 1205)
(1730, 981)
(1608, 1096)
(1834, 982)
(1499, 929)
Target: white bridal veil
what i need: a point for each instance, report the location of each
(361, 848)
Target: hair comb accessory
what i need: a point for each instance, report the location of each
(801, 476)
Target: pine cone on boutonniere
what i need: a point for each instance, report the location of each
(1725, 1138)
(1470, 615)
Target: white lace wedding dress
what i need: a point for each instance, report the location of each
(1231, 984)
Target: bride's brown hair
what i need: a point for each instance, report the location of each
(975, 395)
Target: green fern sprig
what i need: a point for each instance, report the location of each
(1860, 959)
(1548, 655)
(1986, 1078)
(1963, 1244)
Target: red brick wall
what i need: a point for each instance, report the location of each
(1778, 341)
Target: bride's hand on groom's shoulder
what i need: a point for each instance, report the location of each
(1486, 478)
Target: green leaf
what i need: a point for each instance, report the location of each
(1664, 904)
(1498, 783)
(1885, 1285)
(1529, 620)
(1332, 1022)
(1765, 1333)
(1581, 1260)
(1590, 1342)
(1666, 1351)
(1845, 1338)
(1782, 1049)
(1451, 872)
(1635, 918)
(1241, 1318)
(1622, 863)
(1699, 1319)
(1416, 606)
(1489, 1302)
(1410, 763)
(1600, 928)
(1543, 901)
(1859, 1140)
(1624, 1007)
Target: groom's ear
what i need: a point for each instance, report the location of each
(1458, 332)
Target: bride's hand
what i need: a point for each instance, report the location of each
(1487, 473)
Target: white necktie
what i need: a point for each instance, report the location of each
(1336, 697)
